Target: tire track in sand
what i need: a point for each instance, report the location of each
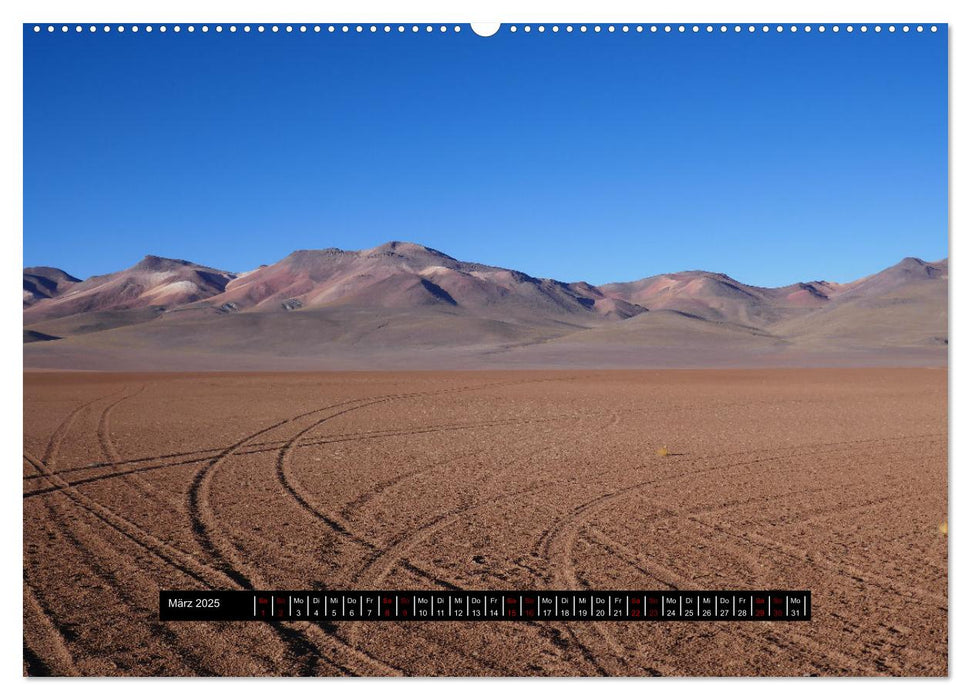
(205, 454)
(808, 648)
(221, 549)
(556, 545)
(101, 560)
(110, 451)
(225, 557)
(574, 525)
(36, 609)
(558, 551)
(49, 654)
(394, 553)
(340, 525)
(204, 521)
(178, 559)
(185, 563)
(118, 473)
(336, 521)
(90, 557)
(117, 522)
(148, 489)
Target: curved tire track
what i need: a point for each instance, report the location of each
(224, 553)
(68, 525)
(187, 564)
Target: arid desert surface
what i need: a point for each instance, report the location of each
(832, 480)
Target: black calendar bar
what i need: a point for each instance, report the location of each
(487, 606)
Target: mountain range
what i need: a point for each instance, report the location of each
(403, 305)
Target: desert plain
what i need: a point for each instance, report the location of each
(832, 480)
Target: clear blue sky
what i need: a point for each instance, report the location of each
(602, 157)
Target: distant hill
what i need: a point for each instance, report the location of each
(406, 305)
(902, 306)
(44, 283)
(134, 295)
(405, 276)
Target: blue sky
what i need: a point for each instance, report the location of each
(603, 157)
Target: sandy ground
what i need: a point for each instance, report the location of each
(833, 480)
